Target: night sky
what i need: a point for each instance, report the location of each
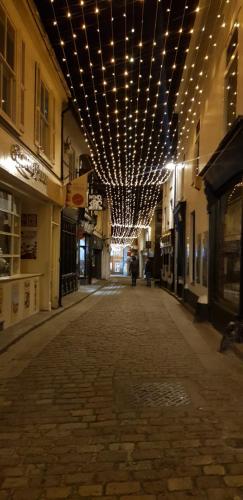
(123, 61)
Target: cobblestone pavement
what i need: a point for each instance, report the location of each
(124, 398)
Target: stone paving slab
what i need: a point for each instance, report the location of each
(64, 432)
(12, 334)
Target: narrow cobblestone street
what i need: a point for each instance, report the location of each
(121, 397)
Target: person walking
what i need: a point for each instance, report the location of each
(133, 269)
(149, 271)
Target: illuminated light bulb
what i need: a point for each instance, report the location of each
(69, 14)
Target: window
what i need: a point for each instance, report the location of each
(9, 235)
(22, 85)
(7, 67)
(231, 78)
(229, 248)
(45, 111)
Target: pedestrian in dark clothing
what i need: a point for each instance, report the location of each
(149, 271)
(133, 269)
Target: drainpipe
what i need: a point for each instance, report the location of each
(64, 111)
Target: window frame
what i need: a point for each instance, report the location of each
(12, 71)
(46, 150)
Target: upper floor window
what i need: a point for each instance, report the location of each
(44, 116)
(7, 66)
(231, 78)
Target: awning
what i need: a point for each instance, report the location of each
(227, 161)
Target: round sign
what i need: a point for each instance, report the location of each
(77, 199)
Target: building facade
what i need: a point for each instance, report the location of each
(31, 195)
(206, 180)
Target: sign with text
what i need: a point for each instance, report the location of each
(95, 202)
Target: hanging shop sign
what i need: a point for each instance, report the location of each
(95, 202)
(26, 166)
(88, 227)
(76, 195)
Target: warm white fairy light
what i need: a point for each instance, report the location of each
(119, 159)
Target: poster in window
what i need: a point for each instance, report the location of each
(26, 294)
(15, 298)
(28, 245)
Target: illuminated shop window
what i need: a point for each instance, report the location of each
(229, 248)
(231, 79)
(9, 234)
(7, 66)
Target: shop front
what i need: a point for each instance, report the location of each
(167, 254)
(30, 204)
(224, 189)
(90, 251)
(69, 228)
(180, 247)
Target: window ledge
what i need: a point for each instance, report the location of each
(9, 125)
(19, 277)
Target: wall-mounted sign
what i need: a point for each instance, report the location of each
(25, 165)
(76, 196)
(95, 202)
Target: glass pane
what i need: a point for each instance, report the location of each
(5, 265)
(2, 31)
(16, 265)
(5, 244)
(8, 87)
(16, 228)
(5, 201)
(10, 44)
(16, 246)
(5, 222)
(42, 98)
(230, 250)
(82, 261)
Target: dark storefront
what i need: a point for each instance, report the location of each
(90, 258)
(224, 189)
(69, 278)
(180, 247)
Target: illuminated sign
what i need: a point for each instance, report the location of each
(26, 167)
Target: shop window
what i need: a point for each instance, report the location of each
(7, 66)
(231, 78)
(9, 234)
(45, 110)
(229, 248)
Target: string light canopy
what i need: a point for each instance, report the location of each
(123, 60)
